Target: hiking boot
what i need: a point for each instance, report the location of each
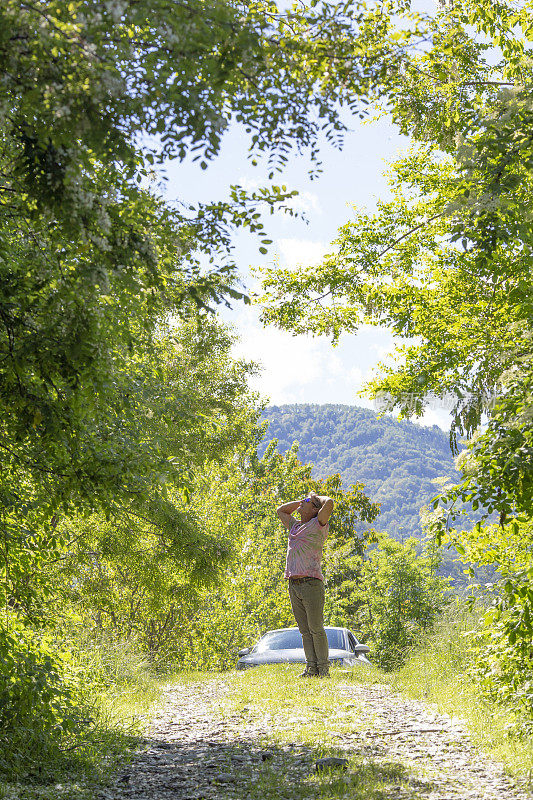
(323, 673)
(309, 673)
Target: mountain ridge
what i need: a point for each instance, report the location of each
(397, 460)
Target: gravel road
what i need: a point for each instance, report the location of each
(199, 747)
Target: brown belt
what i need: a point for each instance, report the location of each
(303, 580)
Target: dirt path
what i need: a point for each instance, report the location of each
(199, 747)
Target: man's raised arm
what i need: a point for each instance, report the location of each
(285, 512)
(327, 507)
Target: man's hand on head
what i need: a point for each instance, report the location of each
(325, 512)
(286, 511)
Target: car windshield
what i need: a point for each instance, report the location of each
(292, 639)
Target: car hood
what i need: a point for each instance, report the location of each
(284, 656)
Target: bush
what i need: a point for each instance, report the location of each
(504, 644)
(503, 668)
(39, 696)
(401, 598)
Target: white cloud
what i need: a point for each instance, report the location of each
(290, 364)
(303, 369)
(356, 375)
(301, 252)
(435, 416)
(306, 203)
(250, 184)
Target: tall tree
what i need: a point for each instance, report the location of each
(129, 573)
(181, 408)
(448, 264)
(92, 261)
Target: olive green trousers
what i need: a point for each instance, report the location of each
(307, 601)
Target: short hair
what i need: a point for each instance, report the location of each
(316, 499)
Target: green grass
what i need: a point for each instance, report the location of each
(363, 781)
(303, 720)
(81, 763)
(437, 675)
(121, 714)
(276, 695)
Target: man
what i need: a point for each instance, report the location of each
(306, 582)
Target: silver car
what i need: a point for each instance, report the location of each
(285, 646)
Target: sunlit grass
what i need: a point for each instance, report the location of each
(120, 695)
(304, 720)
(300, 719)
(121, 713)
(316, 709)
(363, 781)
(311, 712)
(316, 713)
(437, 674)
(129, 706)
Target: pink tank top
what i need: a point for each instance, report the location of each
(304, 549)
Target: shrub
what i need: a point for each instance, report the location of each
(503, 667)
(401, 597)
(39, 696)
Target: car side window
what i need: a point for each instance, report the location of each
(352, 641)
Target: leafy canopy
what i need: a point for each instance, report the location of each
(92, 260)
(447, 262)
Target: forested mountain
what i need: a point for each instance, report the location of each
(396, 460)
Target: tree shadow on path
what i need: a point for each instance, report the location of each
(241, 769)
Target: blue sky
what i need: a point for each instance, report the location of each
(302, 369)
